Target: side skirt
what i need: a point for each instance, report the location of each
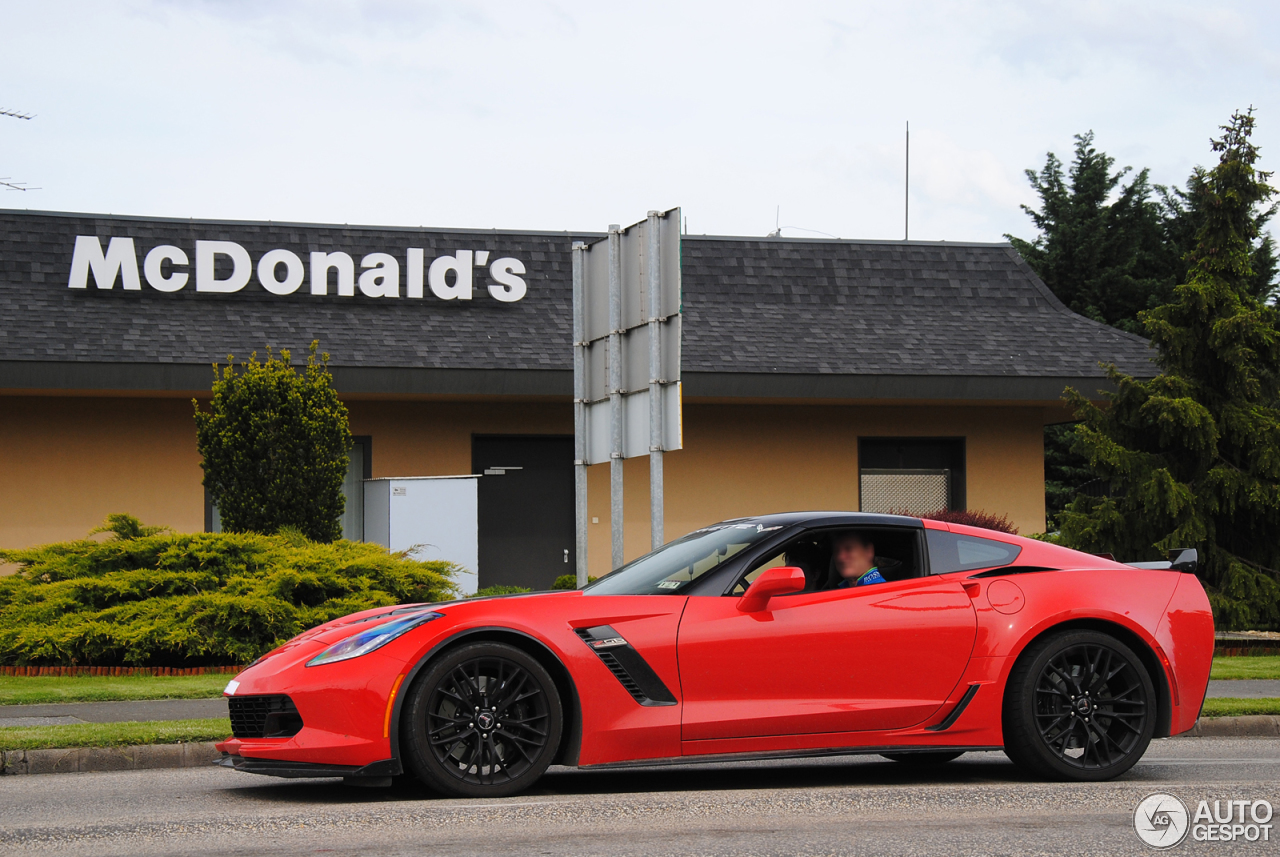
(786, 754)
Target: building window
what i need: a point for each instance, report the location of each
(359, 469)
(914, 475)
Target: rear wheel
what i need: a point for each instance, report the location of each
(1079, 706)
(922, 760)
(482, 721)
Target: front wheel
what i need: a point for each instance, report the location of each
(482, 721)
(1079, 706)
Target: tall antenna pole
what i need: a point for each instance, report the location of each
(906, 191)
(5, 182)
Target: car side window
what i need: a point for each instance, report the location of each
(810, 552)
(896, 557)
(955, 552)
(749, 578)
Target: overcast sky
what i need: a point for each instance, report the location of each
(545, 115)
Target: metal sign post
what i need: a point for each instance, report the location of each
(654, 258)
(626, 330)
(579, 418)
(615, 394)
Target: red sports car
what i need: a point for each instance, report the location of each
(747, 640)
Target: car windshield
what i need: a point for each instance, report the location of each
(671, 568)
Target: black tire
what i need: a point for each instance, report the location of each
(923, 760)
(482, 721)
(1079, 705)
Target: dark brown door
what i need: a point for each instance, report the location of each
(526, 509)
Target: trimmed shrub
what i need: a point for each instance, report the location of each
(570, 581)
(499, 590)
(274, 445)
(146, 597)
(969, 518)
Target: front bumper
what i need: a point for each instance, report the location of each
(293, 770)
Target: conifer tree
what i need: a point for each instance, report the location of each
(1192, 456)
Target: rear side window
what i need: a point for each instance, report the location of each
(954, 552)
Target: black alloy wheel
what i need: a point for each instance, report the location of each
(1081, 706)
(925, 759)
(482, 721)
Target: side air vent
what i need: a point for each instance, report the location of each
(630, 669)
(622, 676)
(263, 716)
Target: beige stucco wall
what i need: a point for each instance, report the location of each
(67, 462)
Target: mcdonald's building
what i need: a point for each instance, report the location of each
(816, 374)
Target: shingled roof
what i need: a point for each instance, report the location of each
(764, 317)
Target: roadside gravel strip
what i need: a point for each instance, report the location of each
(979, 805)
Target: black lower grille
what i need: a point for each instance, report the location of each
(263, 716)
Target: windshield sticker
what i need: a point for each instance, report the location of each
(670, 584)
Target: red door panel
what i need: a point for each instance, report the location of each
(876, 657)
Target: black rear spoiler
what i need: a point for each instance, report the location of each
(1186, 560)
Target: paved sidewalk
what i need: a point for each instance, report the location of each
(56, 714)
(1240, 689)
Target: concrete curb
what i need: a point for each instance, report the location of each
(83, 760)
(1246, 726)
(80, 760)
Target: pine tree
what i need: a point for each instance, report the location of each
(1065, 471)
(1101, 245)
(1184, 212)
(275, 447)
(1192, 456)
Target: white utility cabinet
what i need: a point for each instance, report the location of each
(436, 514)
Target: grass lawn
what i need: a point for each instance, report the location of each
(1235, 707)
(113, 734)
(30, 690)
(1260, 666)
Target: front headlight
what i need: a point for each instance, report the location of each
(373, 638)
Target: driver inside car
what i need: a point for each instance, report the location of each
(854, 557)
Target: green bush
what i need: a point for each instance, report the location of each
(150, 598)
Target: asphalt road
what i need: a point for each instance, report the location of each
(979, 804)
